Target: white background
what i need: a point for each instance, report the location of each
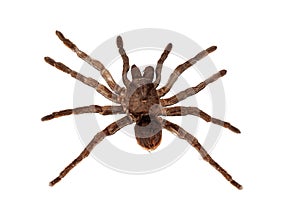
(258, 43)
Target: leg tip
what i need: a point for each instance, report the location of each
(49, 60)
(234, 129)
(236, 184)
(211, 49)
(56, 180)
(59, 35)
(46, 118)
(119, 42)
(223, 72)
(169, 47)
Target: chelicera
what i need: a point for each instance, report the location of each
(141, 102)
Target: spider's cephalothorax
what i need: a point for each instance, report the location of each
(141, 103)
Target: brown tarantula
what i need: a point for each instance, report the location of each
(141, 102)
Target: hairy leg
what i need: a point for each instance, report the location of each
(103, 110)
(125, 61)
(181, 133)
(93, 62)
(181, 68)
(86, 80)
(109, 130)
(160, 63)
(192, 90)
(181, 111)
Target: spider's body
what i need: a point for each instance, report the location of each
(141, 102)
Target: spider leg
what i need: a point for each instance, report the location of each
(183, 134)
(109, 130)
(93, 62)
(125, 61)
(103, 110)
(160, 63)
(192, 90)
(86, 80)
(181, 68)
(181, 111)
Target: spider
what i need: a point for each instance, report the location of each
(141, 102)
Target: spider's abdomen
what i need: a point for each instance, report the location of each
(148, 132)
